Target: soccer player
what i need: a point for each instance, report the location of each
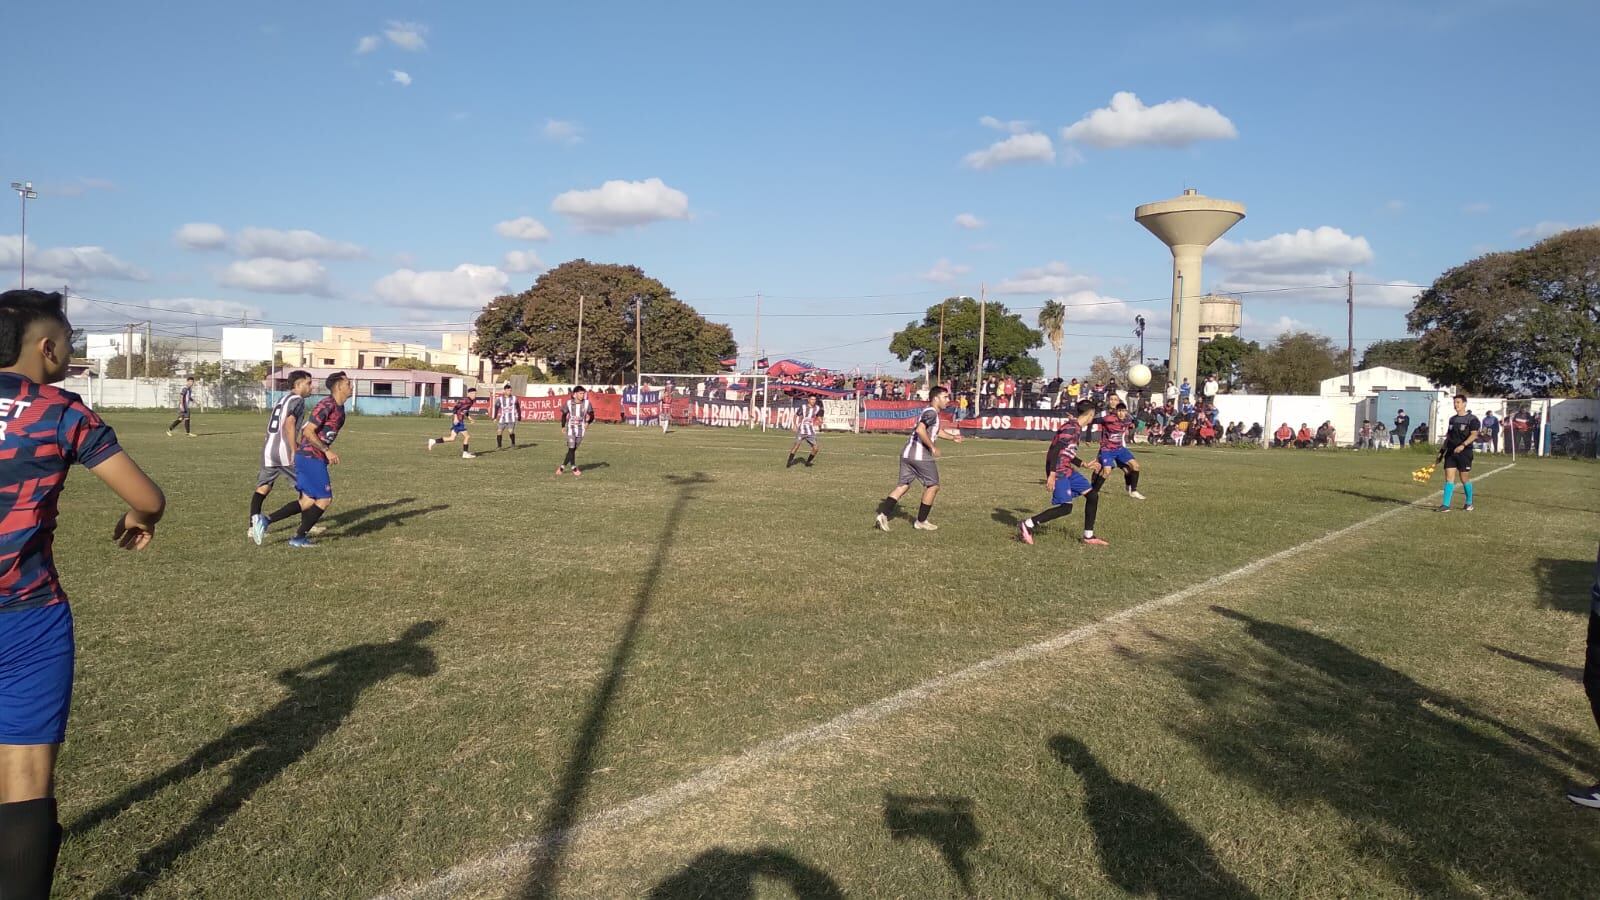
(460, 415)
(43, 431)
(665, 416)
(1065, 483)
(506, 412)
(185, 400)
(314, 456)
(919, 462)
(1114, 432)
(576, 417)
(805, 430)
(277, 456)
(1590, 796)
(1457, 452)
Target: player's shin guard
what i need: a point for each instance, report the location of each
(292, 508)
(30, 838)
(1449, 493)
(1467, 489)
(308, 518)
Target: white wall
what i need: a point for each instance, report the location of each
(160, 393)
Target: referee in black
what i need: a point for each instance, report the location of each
(1590, 796)
(1457, 452)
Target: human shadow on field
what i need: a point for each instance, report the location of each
(321, 694)
(945, 822)
(1564, 583)
(398, 517)
(734, 875)
(1375, 498)
(1571, 673)
(1437, 796)
(356, 514)
(1145, 847)
(593, 465)
(1010, 518)
(544, 873)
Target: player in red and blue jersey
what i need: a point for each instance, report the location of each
(1065, 482)
(313, 456)
(460, 415)
(1115, 432)
(43, 431)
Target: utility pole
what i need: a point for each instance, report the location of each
(755, 362)
(1350, 332)
(147, 337)
(25, 191)
(638, 367)
(983, 308)
(1138, 322)
(127, 351)
(577, 362)
(939, 369)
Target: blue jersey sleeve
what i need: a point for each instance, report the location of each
(84, 437)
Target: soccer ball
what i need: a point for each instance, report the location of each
(1139, 375)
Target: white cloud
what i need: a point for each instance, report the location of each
(1019, 148)
(562, 131)
(277, 276)
(1012, 126)
(467, 286)
(944, 272)
(1476, 209)
(200, 236)
(618, 204)
(79, 186)
(53, 265)
(1050, 278)
(407, 35)
(524, 261)
(294, 244)
(368, 43)
(1298, 251)
(400, 78)
(1259, 329)
(526, 228)
(1127, 122)
(1546, 229)
(1089, 306)
(1395, 206)
(969, 221)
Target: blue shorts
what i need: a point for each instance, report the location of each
(1069, 488)
(1118, 457)
(36, 654)
(311, 477)
(458, 428)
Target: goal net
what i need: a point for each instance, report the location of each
(728, 400)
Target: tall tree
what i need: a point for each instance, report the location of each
(1053, 321)
(1114, 366)
(1399, 354)
(543, 322)
(1523, 322)
(1007, 340)
(1295, 363)
(1225, 356)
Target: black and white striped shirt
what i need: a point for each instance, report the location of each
(577, 416)
(914, 450)
(279, 449)
(806, 421)
(505, 409)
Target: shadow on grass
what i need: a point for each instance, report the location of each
(544, 874)
(1564, 583)
(1145, 847)
(350, 516)
(398, 517)
(945, 822)
(588, 466)
(734, 875)
(1010, 518)
(1438, 797)
(321, 694)
(1572, 673)
(1375, 498)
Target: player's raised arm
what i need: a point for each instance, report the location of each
(145, 501)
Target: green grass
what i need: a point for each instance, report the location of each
(479, 652)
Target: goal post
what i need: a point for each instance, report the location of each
(727, 399)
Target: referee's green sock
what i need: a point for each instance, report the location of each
(1467, 488)
(1449, 493)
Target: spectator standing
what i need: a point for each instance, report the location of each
(1402, 427)
(1491, 431)
(1209, 389)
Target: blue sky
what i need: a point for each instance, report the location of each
(349, 163)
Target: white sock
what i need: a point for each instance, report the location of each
(1088, 533)
(1028, 524)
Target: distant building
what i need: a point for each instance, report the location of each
(1220, 316)
(1373, 381)
(355, 348)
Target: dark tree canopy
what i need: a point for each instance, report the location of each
(543, 322)
(1007, 340)
(1522, 322)
(1226, 357)
(1397, 354)
(1295, 363)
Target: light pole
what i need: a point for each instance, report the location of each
(24, 190)
(1138, 331)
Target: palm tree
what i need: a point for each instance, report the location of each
(1052, 318)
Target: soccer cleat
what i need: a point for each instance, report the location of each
(190, 434)
(810, 463)
(1443, 509)
(1136, 495)
(465, 455)
(1096, 541)
(1468, 508)
(169, 434)
(1024, 534)
(883, 522)
(576, 473)
(924, 525)
(300, 542)
(1585, 796)
(258, 529)
(431, 442)
(561, 469)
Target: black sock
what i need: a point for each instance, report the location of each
(308, 518)
(888, 506)
(513, 438)
(292, 508)
(1132, 476)
(464, 450)
(810, 457)
(256, 499)
(186, 426)
(30, 839)
(1051, 514)
(499, 441)
(1091, 506)
(923, 510)
(571, 457)
(791, 457)
(175, 424)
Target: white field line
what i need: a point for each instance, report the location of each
(509, 861)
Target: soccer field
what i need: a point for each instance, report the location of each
(695, 673)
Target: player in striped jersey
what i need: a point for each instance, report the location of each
(460, 415)
(805, 429)
(506, 413)
(185, 401)
(919, 462)
(1115, 430)
(1065, 483)
(576, 415)
(277, 455)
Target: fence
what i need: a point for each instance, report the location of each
(162, 393)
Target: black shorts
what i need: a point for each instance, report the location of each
(1461, 462)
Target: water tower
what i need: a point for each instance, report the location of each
(1187, 225)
